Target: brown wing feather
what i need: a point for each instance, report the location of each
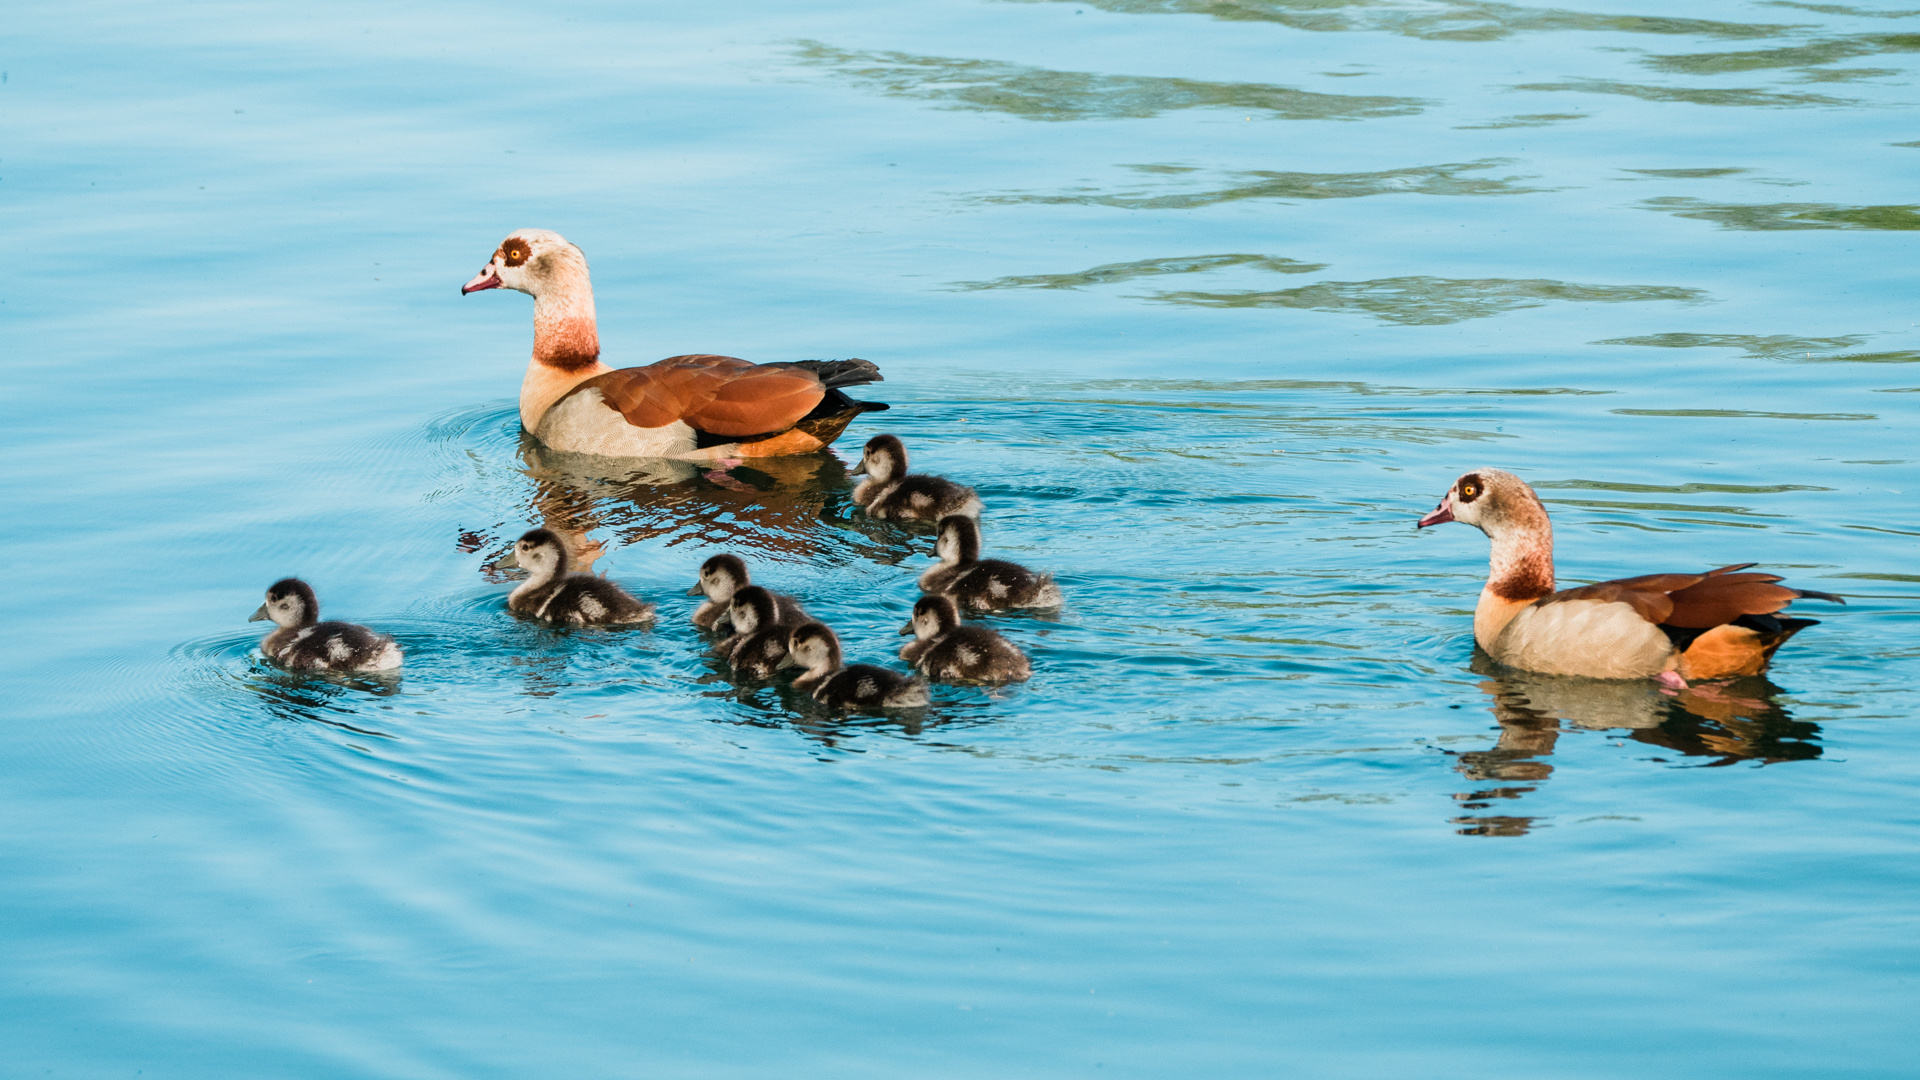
(722, 395)
(1691, 601)
(1648, 594)
(644, 395)
(760, 401)
(1725, 597)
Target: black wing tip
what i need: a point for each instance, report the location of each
(1810, 594)
(836, 373)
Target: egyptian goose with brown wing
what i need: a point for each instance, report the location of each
(699, 407)
(1672, 627)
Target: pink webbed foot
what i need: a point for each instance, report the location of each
(1671, 681)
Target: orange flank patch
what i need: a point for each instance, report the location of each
(789, 442)
(1726, 651)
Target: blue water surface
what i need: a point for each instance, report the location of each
(1210, 301)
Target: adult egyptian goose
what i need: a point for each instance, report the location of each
(303, 643)
(1672, 627)
(695, 408)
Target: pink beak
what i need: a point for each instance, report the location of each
(485, 279)
(1441, 514)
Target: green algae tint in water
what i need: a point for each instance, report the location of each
(1210, 301)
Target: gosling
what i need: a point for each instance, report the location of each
(759, 643)
(722, 576)
(949, 652)
(552, 595)
(814, 648)
(303, 643)
(890, 492)
(983, 584)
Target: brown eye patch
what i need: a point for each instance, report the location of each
(1471, 487)
(514, 251)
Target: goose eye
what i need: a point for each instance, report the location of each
(1469, 491)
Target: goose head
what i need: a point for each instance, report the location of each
(1496, 502)
(884, 458)
(932, 616)
(532, 261)
(290, 603)
(720, 577)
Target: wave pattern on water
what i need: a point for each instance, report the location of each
(1428, 301)
(1435, 20)
(1039, 94)
(1767, 217)
(1447, 180)
(1739, 97)
(1775, 347)
(1112, 272)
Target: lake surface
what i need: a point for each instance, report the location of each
(1210, 300)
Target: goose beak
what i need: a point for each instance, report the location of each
(259, 614)
(786, 662)
(697, 589)
(1441, 514)
(485, 279)
(907, 629)
(860, 469)
(509, 561)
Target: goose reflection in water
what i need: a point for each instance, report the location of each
(1738, 720)
(795, 506)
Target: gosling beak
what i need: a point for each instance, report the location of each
(697, 590)
(485, 279)
(1441, 514)
(509, 561)
(907, 629)
(786, 661)
(259, 614)
(860, 469)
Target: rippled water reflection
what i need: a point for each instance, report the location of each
(1210, 300)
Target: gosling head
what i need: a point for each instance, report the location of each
(720, 577)
(959, 539)
(530, 261)
(812, 646)
(932, 616)
(884, 458)
(1491, 500)
(752, 610)
(541, 553)
(290, 603)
